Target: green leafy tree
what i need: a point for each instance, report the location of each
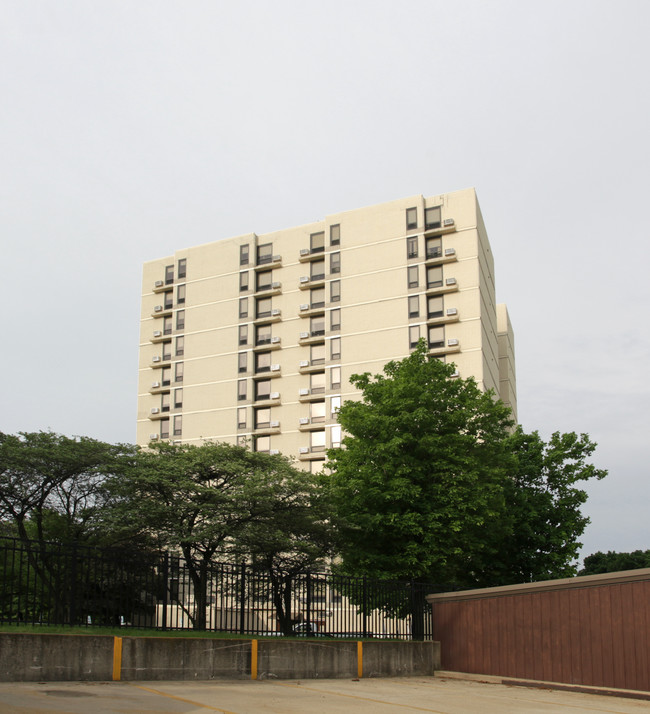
(419, 487)
(612, 562)
(543, 505)
(212, 500)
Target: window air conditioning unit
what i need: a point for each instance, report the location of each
(275, 368)
(155, 410)
(273, 452)
(303, 392)
(450, 251)
(304, 279)
(274, 424)
(158, 308)
(455, 373)
(452, 343)
(304, 449)
(304, 335)
(275, 312)
(155, 385)
(305, 251)
(304, 420)
(155, 359)
(303, 363)
(305, 306)
(276, 285)
(157, 333)
(452, 311)
(275, 395)
(275, 340)
(448, 222)
(277, 258)
(450, 281)
(159, 283)
(153, 437)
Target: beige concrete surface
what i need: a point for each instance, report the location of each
(375, 696)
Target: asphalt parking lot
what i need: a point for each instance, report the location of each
(366, 696)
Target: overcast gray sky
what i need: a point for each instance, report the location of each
(131, 129)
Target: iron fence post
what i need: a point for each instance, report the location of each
(242, 599)
(165, 573)
(365, 606)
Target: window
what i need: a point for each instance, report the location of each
(262, 444)
(167, 351)
(335, 377)
(317, 297)
(335, 262)
(317, 270)
(412, 247)
(434, 277)
(264, 280)
(167, 325)
(182, 268)
(436, 337)
(335, 319)
(263, 362)
(166, 376)
(243, 281)
(180, 346)
(165, 402)
(434, 248)
(263, 335)
(169, 275)
(164, 428)
(414, 306)
(317, 354)
(411, 218)
(243, 254)
(243, 334)
(435, 306)
(180, 320)
(241, 390)
(432, 217)
(178, 372)
(317, 242)
(242, 362)
(178, 398)
(335, 348)
(317, 412)
(335, 404)
(180, 294)
(317, 326)
(315, 467)
(336, 436)
(317, 440)
(317, 382)
(243, 307)
(264, 253)
(169, 300)
(413, 276)
(335, 234)
(414, 336)
(263, 307)
(262, 389)
(241, 417)
(178, 425)
(263, 418)
(335, 291)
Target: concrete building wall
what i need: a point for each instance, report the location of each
(323, 310)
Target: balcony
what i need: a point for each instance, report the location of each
(447, 316)
(449, 285)
(159, 286)
(309, 338)
(306, 366)
(162, 311)
(265, 344)
(309, 424)
(310, 455)
(267, 428)
(450, 347)
(448, 225)
(307, 282)
(268, 372)
(309, 395)
(267, 400)
(268, 316)
(274, 288)
(309, 254)
(307, 310)
(268, 261)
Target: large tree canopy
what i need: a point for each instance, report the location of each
(433, 483)
(613, 561)
(419, 484)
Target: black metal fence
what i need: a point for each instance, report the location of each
(79, 585)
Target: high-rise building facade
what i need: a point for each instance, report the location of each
(253, 339)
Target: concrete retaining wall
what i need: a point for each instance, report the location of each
(30, 658)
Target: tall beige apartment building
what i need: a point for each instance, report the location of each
(253, 339)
